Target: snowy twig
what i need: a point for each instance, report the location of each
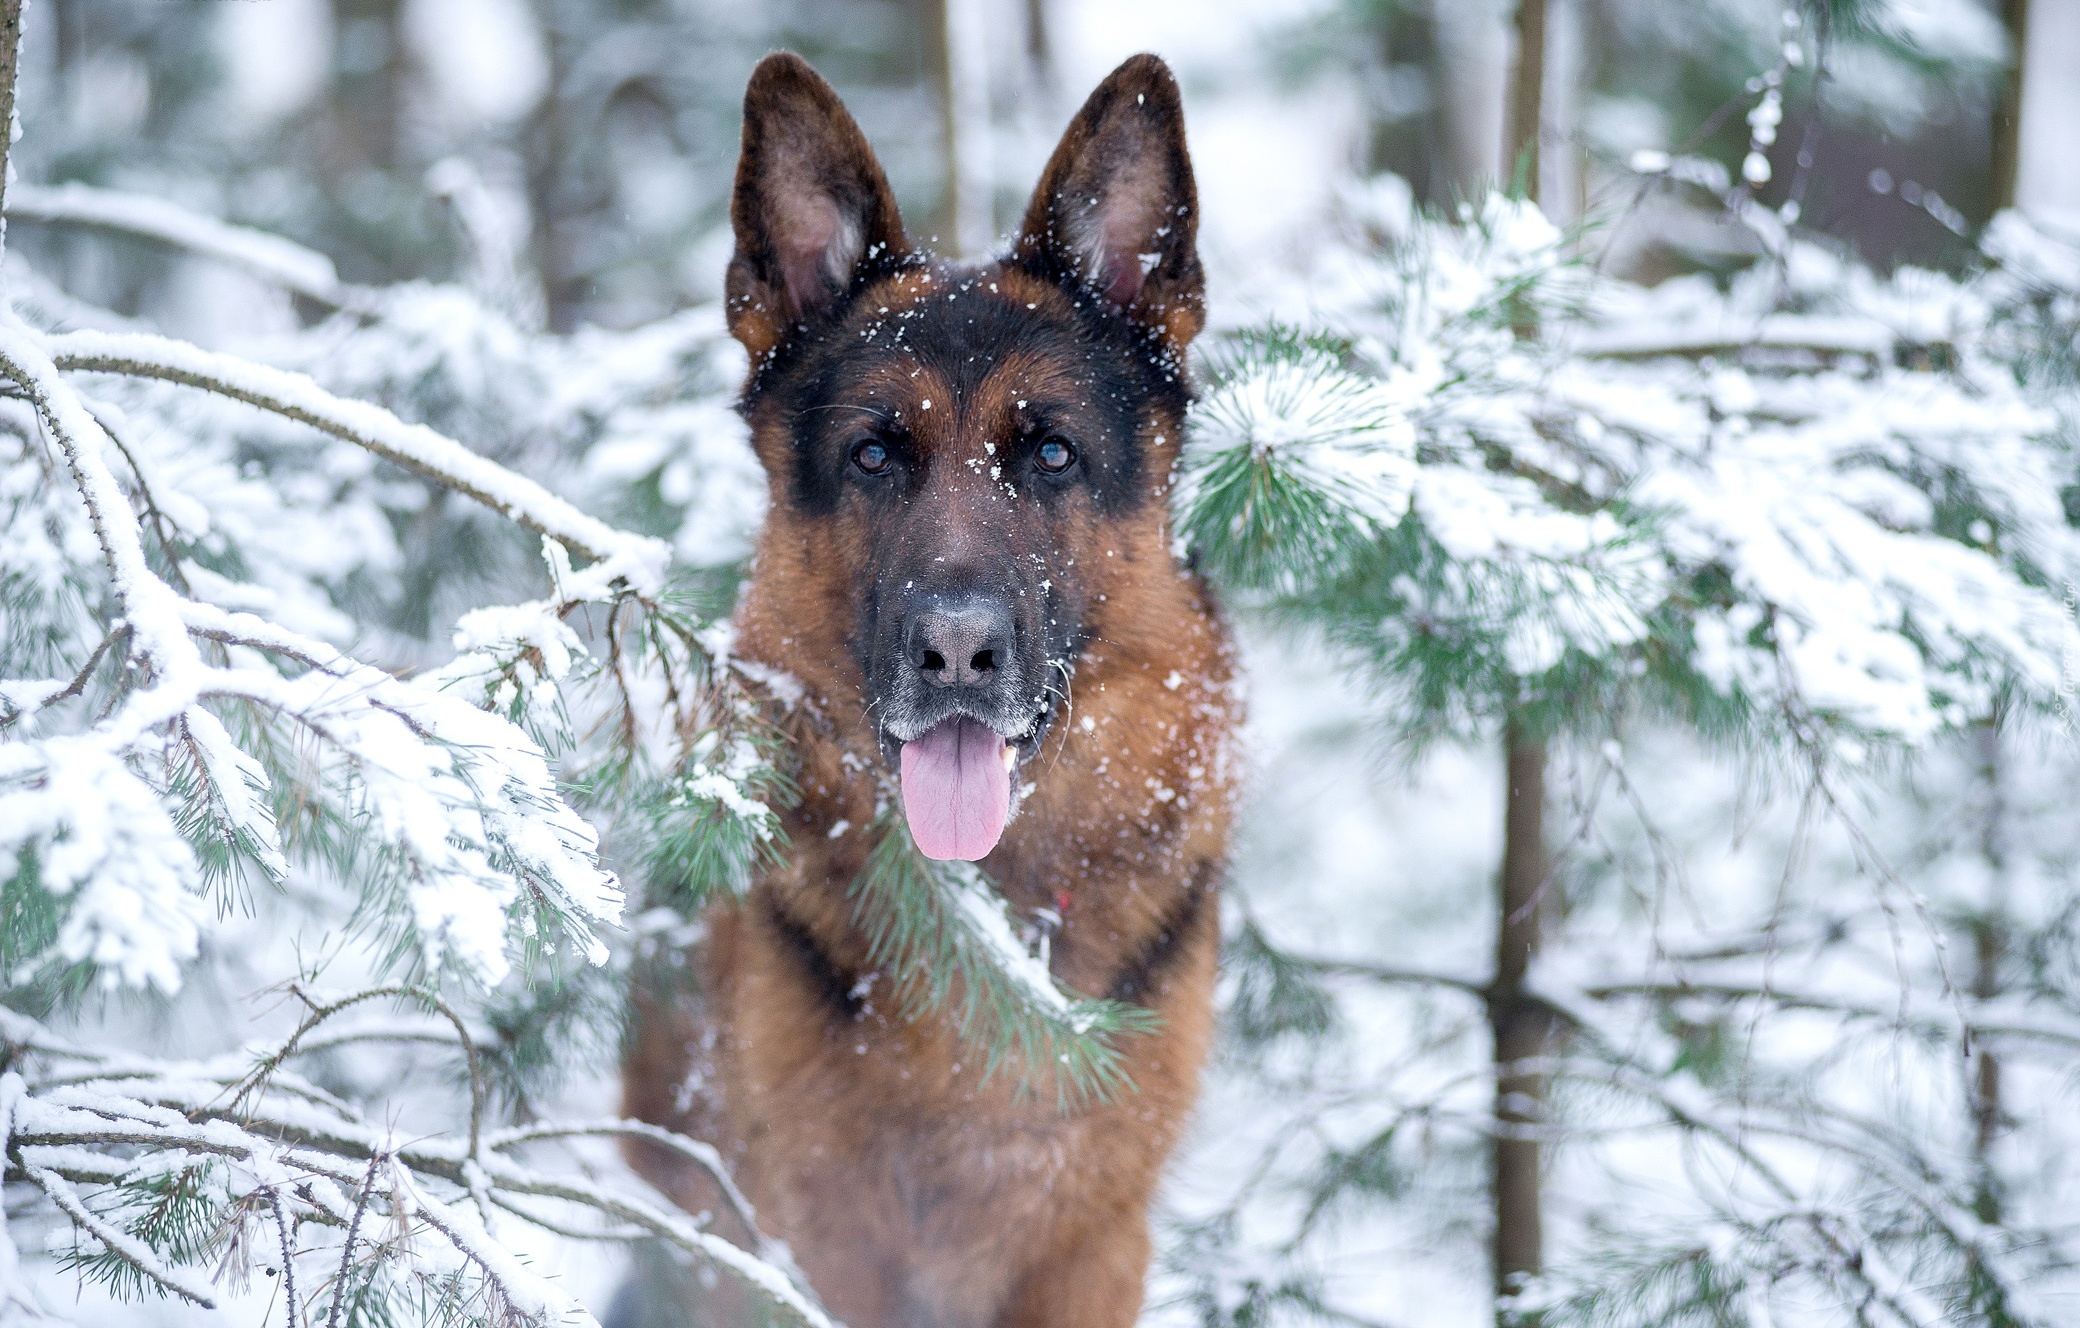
(269, 1142)
(283, 262)
(144, 494)
(346, 1250)
(1390, 974)
(122, 1245)
(74, 688)
(693, 1150)
(1780, 332)
(281, 1228)
(1980, 1019)
(414, 447)
(320, 1012)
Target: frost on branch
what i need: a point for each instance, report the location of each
(79, 828)
(1869, 544)
(1779, 572)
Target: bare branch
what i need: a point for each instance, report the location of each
(693, 1150)
(319, 1013)
(1389, 973)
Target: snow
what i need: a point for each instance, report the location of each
(638, 560)
(509, 660)
(261, 253)
(986, 916)
(101, 841)
(1810, 429)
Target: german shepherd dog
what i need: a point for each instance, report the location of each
(968, 568)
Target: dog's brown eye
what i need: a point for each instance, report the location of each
(871, 458)
(1055, 455)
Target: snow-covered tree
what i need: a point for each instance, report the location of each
(1814, 519)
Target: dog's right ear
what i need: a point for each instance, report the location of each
(811, 210)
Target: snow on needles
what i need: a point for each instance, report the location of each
(463, 806)
(95, 837)
(1862, 532)
(1306, 421)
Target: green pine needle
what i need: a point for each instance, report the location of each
(932, 924)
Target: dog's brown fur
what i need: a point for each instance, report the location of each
(911, 1192)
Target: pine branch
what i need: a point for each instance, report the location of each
(118, 1243)
(413, 447)
(942, 932)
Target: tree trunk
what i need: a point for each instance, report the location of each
(1040, 45)
(1411, 144)
(1989, 945)
(1562, 188)
(2007, 111)
(547, 187)
(10, 65)
(1471, 77)
(960, 50)
(368, 75)
(1521, 1025)
(1520, 145)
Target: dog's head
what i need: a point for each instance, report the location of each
(967, 463)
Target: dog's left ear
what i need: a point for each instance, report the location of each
(1117, 211)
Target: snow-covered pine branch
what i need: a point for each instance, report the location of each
(1870, 550)
(1819, 518)
(418, 449)
(493, 823)
(463, 803)
(270, 257)
(209, 733)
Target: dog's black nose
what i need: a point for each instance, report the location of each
(960, 642)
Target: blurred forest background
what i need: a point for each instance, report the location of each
(567, 164)
(581, 152)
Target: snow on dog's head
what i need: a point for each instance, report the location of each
(966, 463)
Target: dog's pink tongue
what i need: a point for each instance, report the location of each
(956, 789)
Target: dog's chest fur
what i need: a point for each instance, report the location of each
(912, 1191)
(869, 1134)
